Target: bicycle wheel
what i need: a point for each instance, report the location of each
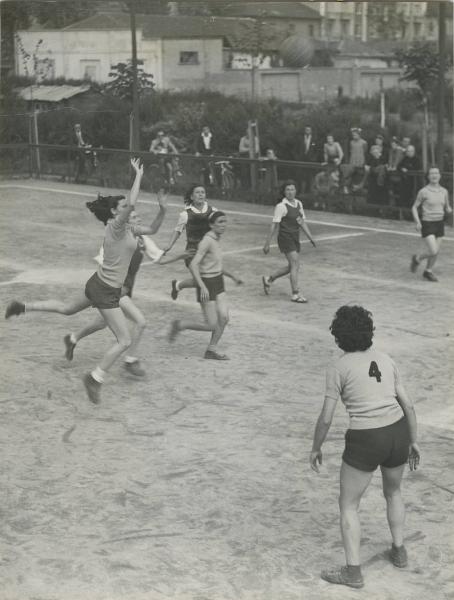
(158, 181)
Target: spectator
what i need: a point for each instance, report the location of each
(309, 154)
(162, 145)
(355, 169)
(410, 162)
(396, 154)
(84, 154)
(269, 172)
(332, 153)
(244, 150)
(376, 177)
(380, 142)
(205, 146)
(406, 141)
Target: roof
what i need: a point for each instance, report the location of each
(104, 20)
(277, 10)
(51, 93)
(359, 49)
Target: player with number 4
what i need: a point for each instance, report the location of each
(382, 432)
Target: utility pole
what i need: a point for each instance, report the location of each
(135, 137)
(441, 81)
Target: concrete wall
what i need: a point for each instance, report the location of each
(76, 52)
(210, 61)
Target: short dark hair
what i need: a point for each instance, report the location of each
(353, 328)
(188, 194)
(103, 205)
(283, 186)
(214, 216)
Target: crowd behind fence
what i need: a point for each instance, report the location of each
(229, 177)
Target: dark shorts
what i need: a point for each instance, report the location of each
(100, 294)
(288, 242)
(215, 286)
(366, 449)
(436, 228)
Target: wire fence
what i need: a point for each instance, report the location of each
(382, 194)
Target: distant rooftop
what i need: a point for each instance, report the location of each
(51, 93)
(283, 10)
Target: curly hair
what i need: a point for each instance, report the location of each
(353, 328)
(282, 188)
(188, 195)
(103, 205)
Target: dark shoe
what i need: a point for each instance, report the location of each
(134, 368)
(174, 292)
(429, 276)
(266, 284)
(69, 345)
(14, 308)
(414, 264)
(174, 331)
(398, 556)
(342, 577)
(93, 388)
(215, 355)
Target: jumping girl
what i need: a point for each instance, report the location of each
(208, 272)
(289, 218)
(145, 246)
(382, 432)
(434, 203)
(103, 289)
(193, 219)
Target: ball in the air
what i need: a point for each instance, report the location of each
(296, 51)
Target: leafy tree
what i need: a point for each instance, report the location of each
(121, 86)
(421, 64)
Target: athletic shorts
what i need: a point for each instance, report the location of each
(288, 242)
(436, 228)
(100, 294)
(366, 449)
(215, 286)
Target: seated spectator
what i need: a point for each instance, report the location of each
(409, 183)
(380, 141)
(376, 176)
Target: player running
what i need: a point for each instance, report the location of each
(208, 272)
(433, 201)
(382, 432)
(288, 218)
(195, 220)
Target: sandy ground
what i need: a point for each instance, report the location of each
(194, 482)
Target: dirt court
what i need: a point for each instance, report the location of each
(194, 483)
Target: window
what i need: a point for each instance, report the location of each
(189, 58)
(90, 69)
(345, 23)
(417, 29)
(311, 30)
(331, 23)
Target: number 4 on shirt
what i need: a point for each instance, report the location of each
(374, 371)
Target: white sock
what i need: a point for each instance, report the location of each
(72, 338)
(98, 374)
(131, 359)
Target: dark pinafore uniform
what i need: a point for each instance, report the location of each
(288, 238)
(196, 227)
(134, 266)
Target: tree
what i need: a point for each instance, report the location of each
(421, 64)
(121, 86)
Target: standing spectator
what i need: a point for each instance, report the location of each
(396, 154)
(82, 156)
(205, 145)
(268, 172)
(376, 177)
(309, 154)
(357, 161)
(410, 162)
(244, 150)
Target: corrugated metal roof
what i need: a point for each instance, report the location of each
(51, 93)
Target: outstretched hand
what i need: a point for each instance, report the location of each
(137, 166)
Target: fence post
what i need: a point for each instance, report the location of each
(36, 138)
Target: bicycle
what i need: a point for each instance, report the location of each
(165, 173)
(227, 178)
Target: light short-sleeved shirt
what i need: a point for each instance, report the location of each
(433, 201)
(366, 383)
(120, 243)
(280, 210)
(183, 216)
(211, 263)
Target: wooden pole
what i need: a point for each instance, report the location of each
(441, 81)
(135, 90)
